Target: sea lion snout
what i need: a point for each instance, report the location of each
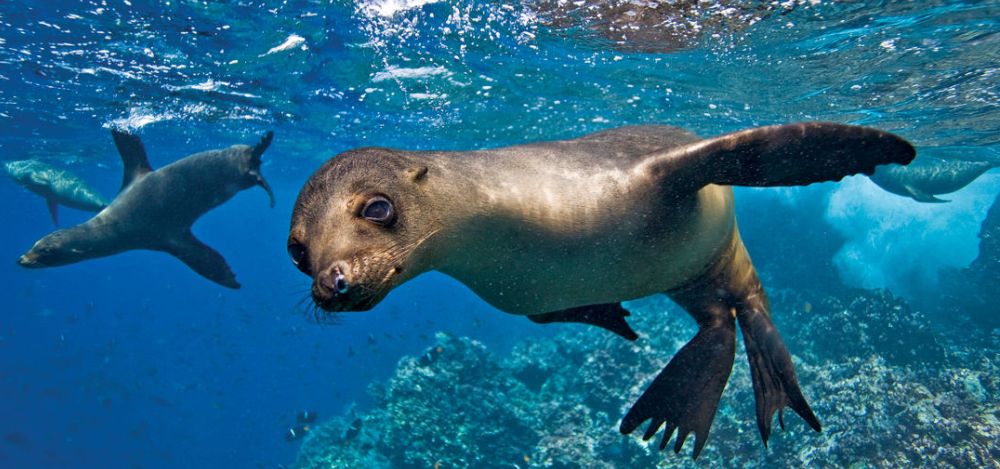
(333, 290)
(29, 260)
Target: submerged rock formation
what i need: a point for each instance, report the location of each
(975, 290)
(878, 377)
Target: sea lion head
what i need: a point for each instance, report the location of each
(359, 226)
(60, 247)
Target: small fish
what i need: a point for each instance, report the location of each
(56, 186)
(928, 177)
(296, 432)
(353, 430)
(306, 417)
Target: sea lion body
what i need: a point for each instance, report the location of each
(155, 209)
(56, 186)
(579, 232)
(930, 177)
(564, 231)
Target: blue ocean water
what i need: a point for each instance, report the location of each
(135, 361)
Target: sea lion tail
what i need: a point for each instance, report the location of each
(774, 383)
(262, 145)
(773, 374)
(255, 159)
(685, 395)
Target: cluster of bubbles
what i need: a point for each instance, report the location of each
(496, 73)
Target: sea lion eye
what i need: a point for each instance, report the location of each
(298, 254)
(379, 210)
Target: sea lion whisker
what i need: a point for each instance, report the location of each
(398, 251)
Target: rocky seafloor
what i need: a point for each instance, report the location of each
(890, 389)
(892, 386)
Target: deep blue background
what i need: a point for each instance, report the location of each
(133, 360)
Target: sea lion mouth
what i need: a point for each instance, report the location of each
(333, 291)
(29, 260)
(343, 303)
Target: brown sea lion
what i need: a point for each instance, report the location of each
(564, 231)
(155, 209)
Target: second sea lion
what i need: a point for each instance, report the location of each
(155, 209)
(56, 186)
(927, 177)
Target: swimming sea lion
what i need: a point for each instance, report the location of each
(569, 229)
(155, 209)
(56, 186)
(928, 177)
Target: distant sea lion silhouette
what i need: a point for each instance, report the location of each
(56, 186)
(928, 177)
(155, 209)
(564, 231)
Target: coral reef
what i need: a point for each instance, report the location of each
(889, 390)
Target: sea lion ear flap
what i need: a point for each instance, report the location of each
(416, 173)
(782, 155)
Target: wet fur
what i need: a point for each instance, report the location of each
(549, 228)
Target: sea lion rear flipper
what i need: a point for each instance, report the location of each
(202, 259)
(921, 196)
(774, 383)
(685, 395)
(53, 210)
(783, 155)
(133, 156)
(609, 316)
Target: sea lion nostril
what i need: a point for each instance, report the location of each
(340, 283)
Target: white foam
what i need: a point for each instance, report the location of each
(897, 243)
(293, 41)
(398, 73)
(138, 118)
(388, 8)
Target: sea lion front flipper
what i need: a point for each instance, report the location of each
(685, 395)
(921, 196)
(782, 155)
(609, 316)
(53, 210)
(133, 156)
(202, 259)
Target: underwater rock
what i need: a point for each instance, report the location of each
(974, 290)
(865, 323)
(884, 389)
